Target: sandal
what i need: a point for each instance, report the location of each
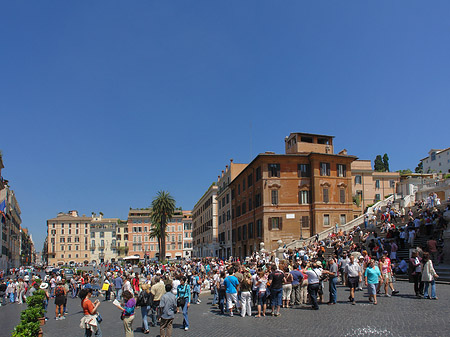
(258, 316)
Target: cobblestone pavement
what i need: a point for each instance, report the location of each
(402, 315)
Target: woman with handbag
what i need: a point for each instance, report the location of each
(128, 312)
(184, 299)
(89, 321)
(429, 276)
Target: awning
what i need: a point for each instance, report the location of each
(132, 257)
(178, 254)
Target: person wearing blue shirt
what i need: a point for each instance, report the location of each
(231, 286)
(118, 282)
(372, 277)
(184, 291)
(296, 285)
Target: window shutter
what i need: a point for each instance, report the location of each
(280, 223)
(270, 224)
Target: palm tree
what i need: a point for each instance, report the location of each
(163, 206)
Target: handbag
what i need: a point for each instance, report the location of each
(99, 318)
(181, 301)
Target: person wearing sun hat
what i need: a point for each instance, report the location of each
(44, 286)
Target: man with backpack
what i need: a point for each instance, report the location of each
(60, 298)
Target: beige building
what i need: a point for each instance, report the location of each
(224, 208)
(103, 243)
(68, 239)
(370, 186)
(204, 225)
(187, 235)
(122, 239)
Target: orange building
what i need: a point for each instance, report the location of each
(289, 196)
(141, 243)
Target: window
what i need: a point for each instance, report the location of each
(392, 183)
(343, 219)
(324, 169)
(244, 232)
(341, 170)
(357, 179)
(342, 195)
(239, 233)
(243, 185)
(258, 173)
(305, 221)
(244, 208)
(275, 223)
(377, 197)
(250, 180)
(377, 183)
(303, 197)
(303, 170)
(274, 170)
(250, 230)
(239, 189)
(274, 194)
(102, 234)
(326, 198)
(250, 205)
(259, 228)
(326, 220)
(257, 200)
(228, 198)
(433, 156)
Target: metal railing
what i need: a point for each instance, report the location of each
(348, 226)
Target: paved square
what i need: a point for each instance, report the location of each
(402, 315)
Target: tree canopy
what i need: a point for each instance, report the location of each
(163, 206)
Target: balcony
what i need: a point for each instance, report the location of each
(92, 247)
(114, 246)
(101, 255)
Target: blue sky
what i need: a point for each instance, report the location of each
(103, 103)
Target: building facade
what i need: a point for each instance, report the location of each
(122, 239)
(143, 244)
(437, 161)
(11, 229)
(68, 238)
(290, 196)
(224, 208)
(204, 225)
(103, 241)
(27, 249)
(370, 186)
(187, 235)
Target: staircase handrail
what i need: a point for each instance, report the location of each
(349, 225)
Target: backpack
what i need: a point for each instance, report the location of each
(59, 291)
(141, 301)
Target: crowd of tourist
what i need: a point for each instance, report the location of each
(365, 257)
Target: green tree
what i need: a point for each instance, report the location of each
(378, 164)
(386, 162)
(419, 168)
(407, 171)
(163, 206)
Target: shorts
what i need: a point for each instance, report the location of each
(353, 282)
(372, 288)
(277, 297)
(59, 300)
(230, 299)
(262, 297)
